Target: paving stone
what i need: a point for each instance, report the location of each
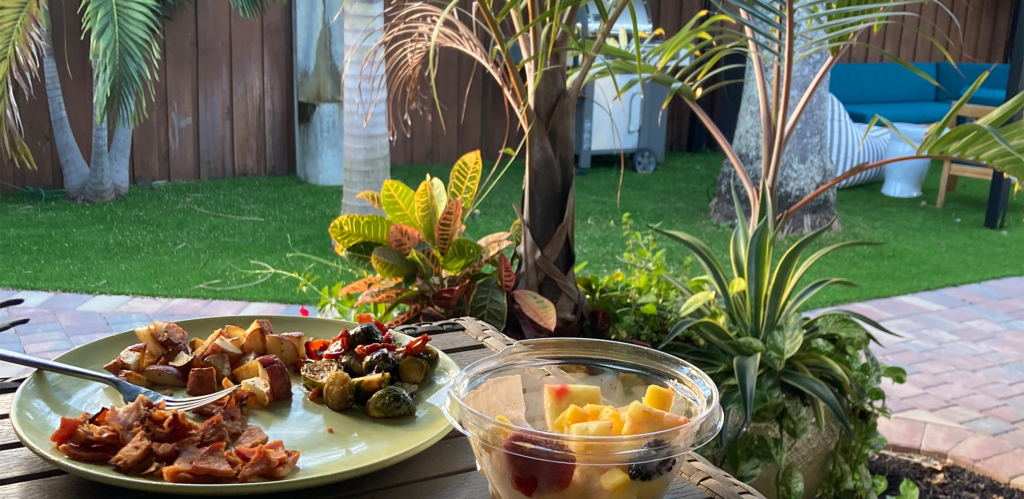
(293, 310)
(32, 298)
(894, 307)
(1002, 358)
(7, 293)
(65, 301)
(900, 389)
(903, 325)
(959, 414)
(42, 338)
(868, 310)
(1003, 467)
(143, 305)
(124, 322)
(932, 367)
(8, 370)
(920, 303)
(984, 289)
(985, 325)
(936, 336)
(896, 405)
(968, 379)
(40, 349)
(990, 315)
(969, 334)
(967, 295)
(935, 322)
(263, 309)
(1015, 437)
(104, 303)
(1015, 325)
(9, 341)
(903, 358)
(31, 329)
(938, 440)
(928, 402)
(918, 345)
(903, 435)
(1006, 413)
(73, 318)
(1017, 401)
(958, 315)
(977, 448)
(51, 355)
(980, 402)
(990, 426)
(999, 391)
(940, 299)
(217, 308)
(950, 391)
(182, 306)
(36, 315)
(1018, 483)
(927, 417)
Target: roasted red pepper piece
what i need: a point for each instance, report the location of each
(389, 339)
(380, 326)
(335, 351)
(315, 348)
(364, 318)
(416, 346)
(364, 350)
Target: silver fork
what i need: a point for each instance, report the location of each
(128, 391)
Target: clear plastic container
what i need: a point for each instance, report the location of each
(522, 458)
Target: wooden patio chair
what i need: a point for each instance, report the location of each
(952, 171)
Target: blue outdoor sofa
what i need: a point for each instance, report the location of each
(900, 95)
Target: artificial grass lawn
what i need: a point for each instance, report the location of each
(167, 241)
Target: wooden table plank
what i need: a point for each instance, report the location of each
(8, 440)
(21, 464)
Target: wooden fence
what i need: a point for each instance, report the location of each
(224, 104)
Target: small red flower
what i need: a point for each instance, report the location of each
(303, 312)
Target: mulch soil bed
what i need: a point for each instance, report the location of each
(938, 479)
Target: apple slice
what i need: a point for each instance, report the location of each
(147, 335)
(299, 340)
(252, 369)
(201, 381)
(165, 375)
(277, 376)
(255, 342)
(234, 332)
(134, 378)
(260, 389)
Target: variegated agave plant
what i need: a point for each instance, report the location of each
(419, 257)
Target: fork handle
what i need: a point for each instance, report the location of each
(57, 367)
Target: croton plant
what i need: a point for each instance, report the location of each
(421, 264)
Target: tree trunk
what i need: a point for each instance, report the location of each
(806, 162)
(367, 153)
(118, 156)
(72, 164)
(547, 254)
(99, 187)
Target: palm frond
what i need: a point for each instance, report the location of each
(21, 48)
(251, 9)
(125, 53)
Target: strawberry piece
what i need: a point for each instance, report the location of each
(537, 465)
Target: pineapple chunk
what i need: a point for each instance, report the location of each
(558, 398)
(590, 429)
(659, 398)
(595, 410)
(615, 480)
(642, 419)
(570, 416)
(503, 419)
(612, 414)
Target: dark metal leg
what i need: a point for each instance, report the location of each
(998, 198)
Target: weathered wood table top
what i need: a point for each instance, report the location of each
(446, 470)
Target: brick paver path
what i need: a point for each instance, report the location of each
(963, 348)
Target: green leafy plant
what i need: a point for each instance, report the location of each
(908, 489)
(773, 365)
(420, 264)
(636, 303)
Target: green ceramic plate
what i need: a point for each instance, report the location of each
(359, 444)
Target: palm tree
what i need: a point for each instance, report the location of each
(367, 152)
(123, 41)
(540, 91)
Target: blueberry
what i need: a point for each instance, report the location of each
(652, 461)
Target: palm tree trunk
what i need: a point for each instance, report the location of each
(99, 187)
(367, 153)
(72, 164)
(547, 254)
(118, 155)
(806, 162)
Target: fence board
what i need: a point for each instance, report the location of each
(248, 124)
(277, 89)
(216, 148)
(182, 95)
(150, 158)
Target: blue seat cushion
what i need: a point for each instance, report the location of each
(953, 82)
(881, 82)
(903, 112)
(986, 96)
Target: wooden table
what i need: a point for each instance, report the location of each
(446, 470)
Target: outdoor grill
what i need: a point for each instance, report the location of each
(608, 123)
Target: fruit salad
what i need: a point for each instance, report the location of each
(528, 466)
